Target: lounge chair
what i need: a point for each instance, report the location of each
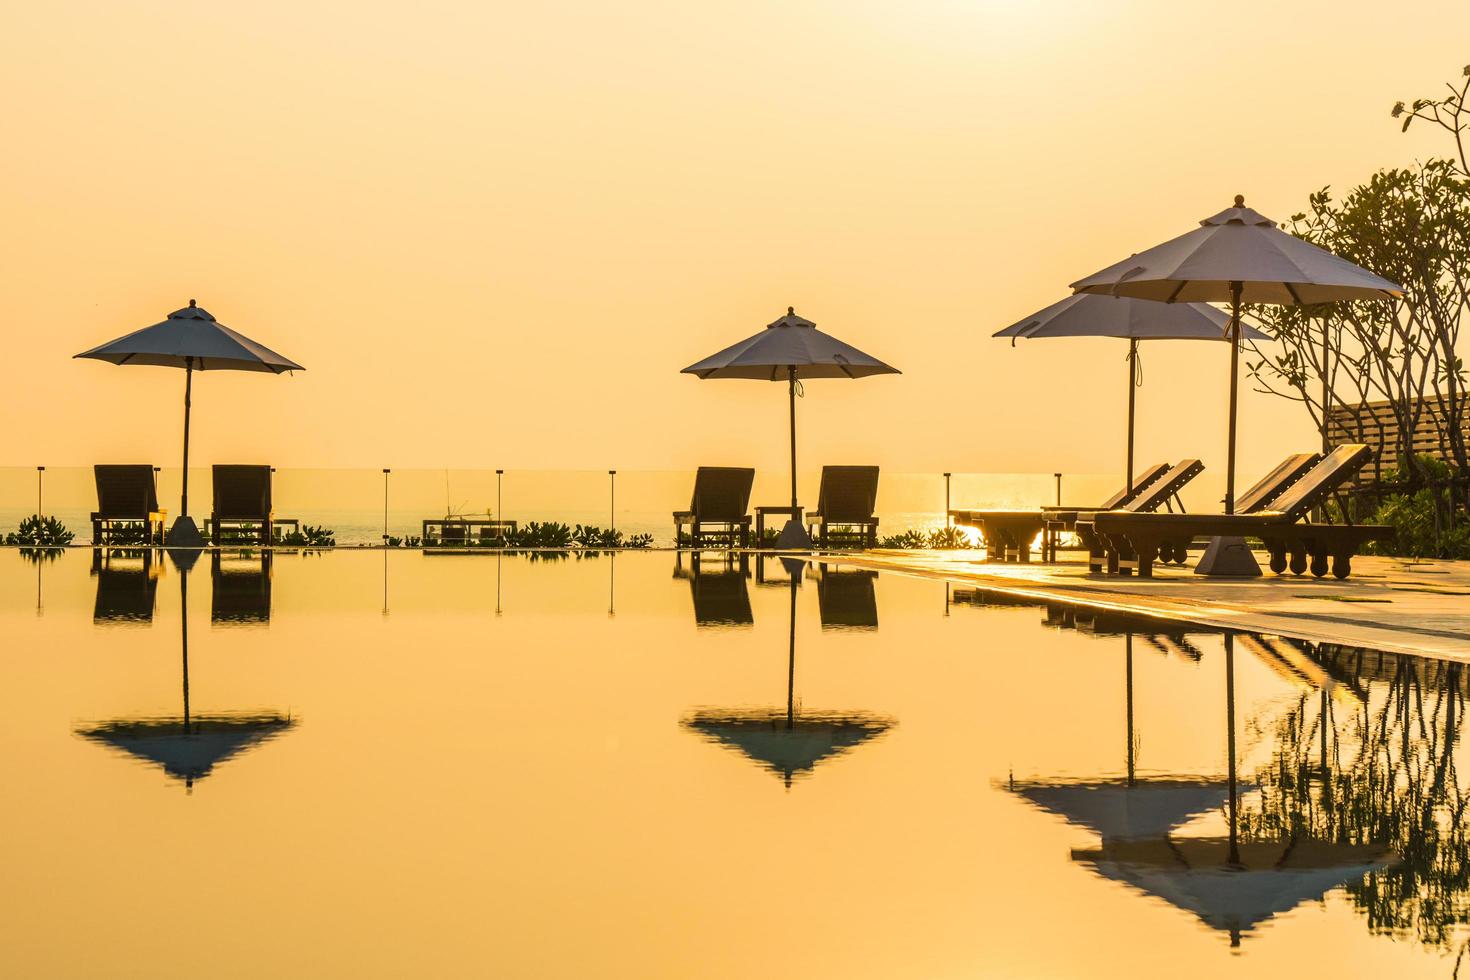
(719, 508)
(846, 500)
(1162, 494)
(242, 504)
(1008, 533)
(126, 496)
(1290, 539)
(1117, 555)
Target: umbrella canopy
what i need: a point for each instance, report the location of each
(1234, 895)
(789, 346)
(192, 339)
(1237, 256)
(1090, 315)
(790, 349)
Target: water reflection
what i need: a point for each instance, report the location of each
(187, 746)
(718, 588)
(788, 743)
(127, 585)
(845, 598)
(242, 587)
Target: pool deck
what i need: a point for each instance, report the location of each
(1388, 603)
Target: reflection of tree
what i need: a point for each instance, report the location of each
(1379, 770)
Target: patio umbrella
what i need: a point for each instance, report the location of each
(786, 742)
(790, 349)
(1089, 315)
(194, 340)
(1237, 256)
(188, 746)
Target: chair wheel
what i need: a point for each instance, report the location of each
(1319, 565)
(1342, 566)
(1278, 562)
(1298, 563)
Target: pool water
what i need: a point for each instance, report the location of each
(646, 765)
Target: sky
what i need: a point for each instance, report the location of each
(494, 233)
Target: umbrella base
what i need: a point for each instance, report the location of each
(794, 538)
(1228, 557)
(184, 534)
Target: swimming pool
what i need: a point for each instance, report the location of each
(386, 764)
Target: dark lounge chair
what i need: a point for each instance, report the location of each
(1116, 555)
(719, 509)
(1282, 526)
(1008, 533)
(126, 496)
(846, 500)
(1163, 494)
(242, 505)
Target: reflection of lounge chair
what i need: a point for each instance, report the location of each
(126, 584)
(719, 507)
(1008, 533)
(126, 496)
(846, 500)
(242, 588)
(1164, 490)
(1284, 529)
(721, 597)
(846, 601)
(242, 504)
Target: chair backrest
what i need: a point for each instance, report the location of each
(1158, 493)
(125, 491)
(848, 493)
(1335, 469)
(242, 492)
(1275, 483)
(1141, 482)
(722, 493)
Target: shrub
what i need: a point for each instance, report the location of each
(547, 534)
(42, 531)
(1423, 524)
(310, 537)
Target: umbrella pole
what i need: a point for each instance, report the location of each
(791, 665)
(791, 395)
(1132, 391)
(188, 391)
(1235, 288)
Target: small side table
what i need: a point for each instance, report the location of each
(760, 518)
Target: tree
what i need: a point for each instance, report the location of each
(1448, 113)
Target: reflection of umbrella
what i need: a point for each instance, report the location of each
(790, 349)
(1266, 878)
(188, 747)
(1237, 256)
(1086, 315)
(788, 744)
(193, 340)
(1120, 809)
